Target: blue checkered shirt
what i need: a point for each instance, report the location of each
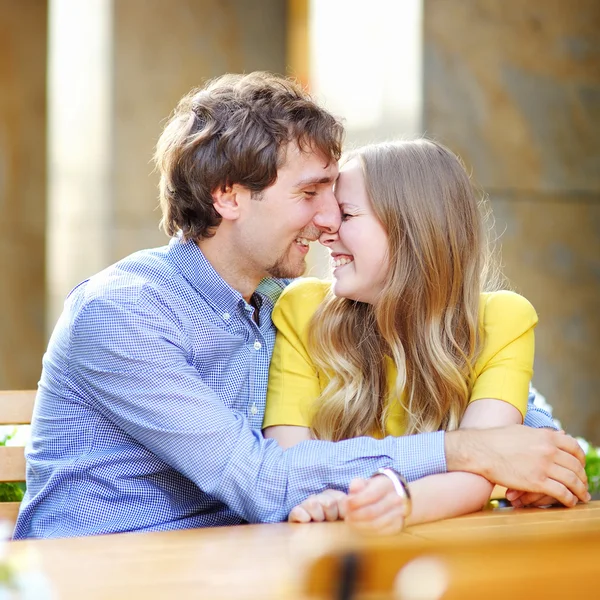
(150, 404)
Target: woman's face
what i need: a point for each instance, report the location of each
(359, 250)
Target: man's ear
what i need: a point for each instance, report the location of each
(226, 201)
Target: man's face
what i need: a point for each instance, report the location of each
(280, 222)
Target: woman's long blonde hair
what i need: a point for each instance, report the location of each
(426, 318)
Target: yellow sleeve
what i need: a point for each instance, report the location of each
(505, 366)
(293, 378)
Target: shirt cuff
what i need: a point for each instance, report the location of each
(422, 455)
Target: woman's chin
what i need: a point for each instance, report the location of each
(341, 291)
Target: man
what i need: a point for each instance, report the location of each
(152, 393)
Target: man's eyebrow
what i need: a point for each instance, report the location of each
(315, 181)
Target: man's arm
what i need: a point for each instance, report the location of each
(521, 458)
(536, 416)
(139, 377)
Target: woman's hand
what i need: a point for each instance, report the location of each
(374, 505)
(329, 505)
(529, 499)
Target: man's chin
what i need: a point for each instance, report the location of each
(287, 271)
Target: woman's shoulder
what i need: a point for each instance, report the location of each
(301, 299)
(507, 312)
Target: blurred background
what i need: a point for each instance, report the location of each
(513, 87)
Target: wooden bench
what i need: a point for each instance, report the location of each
(16, 408)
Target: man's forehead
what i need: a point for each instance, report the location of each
(308, 162)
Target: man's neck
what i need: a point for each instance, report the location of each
(226, 262)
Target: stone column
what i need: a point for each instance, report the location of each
(22, 190)
(514, 88)
(141, 57)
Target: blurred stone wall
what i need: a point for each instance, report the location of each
(162, 50)
(22, 190)
(514, 88)
(121, 68)
(151, 52)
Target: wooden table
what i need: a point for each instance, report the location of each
(255, 561)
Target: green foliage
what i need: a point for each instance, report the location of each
(11, 492)
(592, 469)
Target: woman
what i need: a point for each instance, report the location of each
(408, 339)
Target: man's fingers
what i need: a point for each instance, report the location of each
(313, 507)
(570, 445)
(570, 462)
(557, 490)
(571, 481)
(327, 506)
(329, 503)
(298, 515)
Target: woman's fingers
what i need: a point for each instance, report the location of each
(388, 523)
(514, 495)
(532, 499)
(374, 505)
(370, 491)
(371, 512)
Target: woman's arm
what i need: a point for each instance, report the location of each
(437, 496)
(287, 435)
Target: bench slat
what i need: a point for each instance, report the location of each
(12, 463)
(16, 407)
(9, 511)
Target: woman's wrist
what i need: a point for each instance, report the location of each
(400, 485)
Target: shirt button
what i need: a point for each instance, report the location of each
(226, 316)
(257, 345)
(253, 409)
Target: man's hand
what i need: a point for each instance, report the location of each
(543, 462)
(329, 505)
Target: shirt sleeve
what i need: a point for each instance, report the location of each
(536, 416)
(293, 378)
(505, 366)
(149, 389)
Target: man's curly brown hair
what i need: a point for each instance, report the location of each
(234, 130)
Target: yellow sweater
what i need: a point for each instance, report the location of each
(502, 372)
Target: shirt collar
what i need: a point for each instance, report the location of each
(201, 275)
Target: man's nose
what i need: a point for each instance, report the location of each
(328, 218)
(327, 238)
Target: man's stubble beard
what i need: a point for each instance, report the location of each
(281, 269)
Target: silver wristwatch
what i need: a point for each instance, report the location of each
(400, 485)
